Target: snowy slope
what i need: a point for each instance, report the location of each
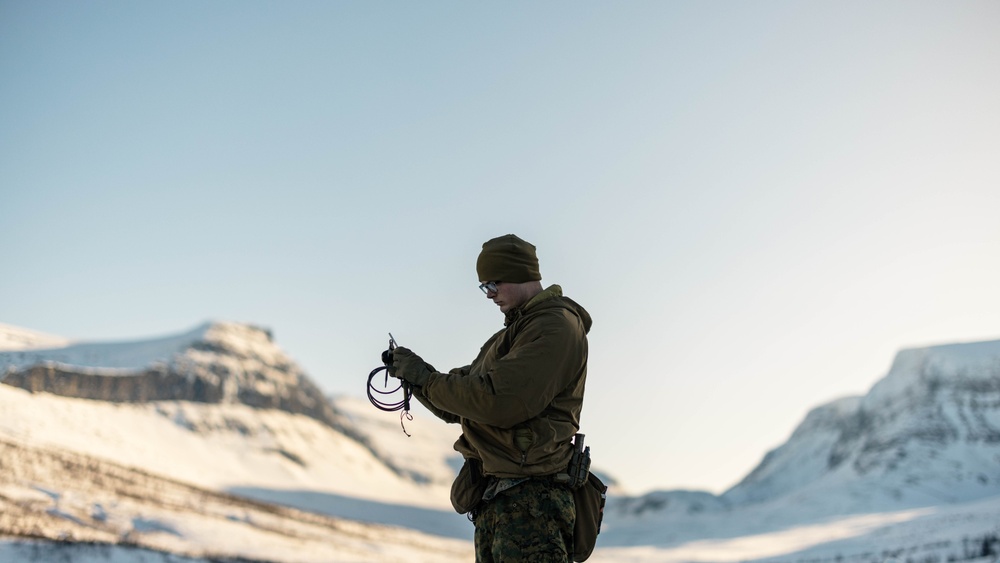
(927, 433)
(62, 496)
(426, 455)
(17, 338)
(951, 532)
(214, 446)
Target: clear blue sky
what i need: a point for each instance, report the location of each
(758, 202)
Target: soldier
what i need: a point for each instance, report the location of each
(519, 405)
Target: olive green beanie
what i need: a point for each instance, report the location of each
(508, 259)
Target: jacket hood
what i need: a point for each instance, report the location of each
(551, 296)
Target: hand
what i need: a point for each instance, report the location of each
(409, 367)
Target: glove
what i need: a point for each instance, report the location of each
(410, 367)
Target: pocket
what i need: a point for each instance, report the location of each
(468, 488)
(589, 501)
(524, 438)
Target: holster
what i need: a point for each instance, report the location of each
(578, 468)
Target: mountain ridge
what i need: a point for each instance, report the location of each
(932, 423)
(217, 362)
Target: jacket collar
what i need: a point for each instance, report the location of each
(550, 292)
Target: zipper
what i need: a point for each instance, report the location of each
(524, 439)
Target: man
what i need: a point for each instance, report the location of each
(519, 405)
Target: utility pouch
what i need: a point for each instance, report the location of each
(589, 501)
(468, 488)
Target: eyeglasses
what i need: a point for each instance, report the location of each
(489, 286)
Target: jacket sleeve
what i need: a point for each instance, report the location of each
(443, 415)
(547, 355)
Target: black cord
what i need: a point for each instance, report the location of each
(374, 393)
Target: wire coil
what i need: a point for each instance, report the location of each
(377, 396)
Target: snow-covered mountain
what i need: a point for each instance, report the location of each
(928, 433)
(221, 382)
(189, 421)
(912, 468)
(217, 362)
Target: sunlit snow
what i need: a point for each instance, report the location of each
(917, 478)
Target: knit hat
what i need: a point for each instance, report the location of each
(508, 259)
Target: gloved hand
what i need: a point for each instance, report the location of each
(410, 367)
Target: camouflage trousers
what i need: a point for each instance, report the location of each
(530, 523)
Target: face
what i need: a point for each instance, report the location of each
(507, 296)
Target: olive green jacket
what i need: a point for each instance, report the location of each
(519, 401)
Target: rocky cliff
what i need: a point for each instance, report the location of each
(215, 363)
